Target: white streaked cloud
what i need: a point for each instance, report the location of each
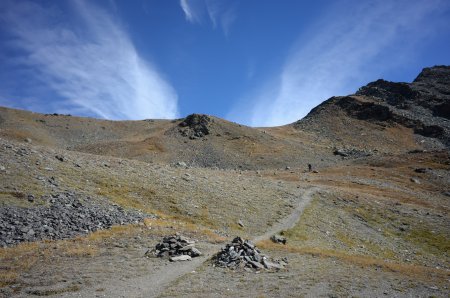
(189, 12)
(351, 44)
(86, 64)
(221, 13)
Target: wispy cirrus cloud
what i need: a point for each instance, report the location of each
(353, 42)
(221, 13)
(84, 63)
(189, 11)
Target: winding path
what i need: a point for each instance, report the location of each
(154, 283)
(289, 221)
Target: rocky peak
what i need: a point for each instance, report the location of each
(423, 105)
(196, 126)
(433, 84)
(439, 74)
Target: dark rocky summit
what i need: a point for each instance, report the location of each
(423, 105)
(195, 126)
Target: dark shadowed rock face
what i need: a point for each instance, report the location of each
(442, 110)
(433, 85)
(393, 93)
(364, 110)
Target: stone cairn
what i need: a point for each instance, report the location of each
(242, 254)
(176, 248)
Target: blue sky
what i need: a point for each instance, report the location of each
(256, 62)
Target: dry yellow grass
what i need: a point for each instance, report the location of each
(184, 227)
(7, 277)
(21, 258)
(416, 271)
(16, 260)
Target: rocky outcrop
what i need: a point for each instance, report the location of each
(423, 105)
(195, 126)
(395, 94)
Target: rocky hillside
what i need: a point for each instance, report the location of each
(382, 117)
(197, 140)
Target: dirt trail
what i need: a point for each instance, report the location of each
(154, 283)
(289, 221)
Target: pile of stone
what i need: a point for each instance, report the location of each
(243, 254)
(176, 248)
(60, 216)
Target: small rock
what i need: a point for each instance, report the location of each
(269, 265)
(278, 239)
(30, 198)
(181, 164)
(59, 157)
(240, 223)
(28, 140)
(195, 252)
(180, 258)
(415, 180)
(257, 265)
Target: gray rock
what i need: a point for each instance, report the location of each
(181, 164)
(195, 252)
(180, 258)
(249, 244)
(30, 198)
(415, 180)
(187, 247)
(257, 265)
(269, 265)
(278, 239)
(420, 170)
